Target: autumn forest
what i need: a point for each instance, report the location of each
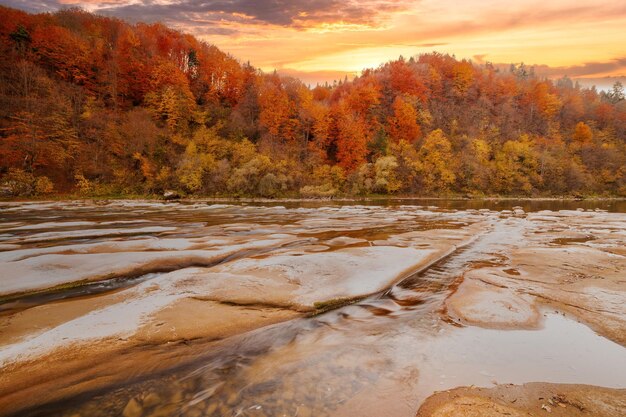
(95, 106)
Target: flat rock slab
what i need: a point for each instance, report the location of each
(533, 399)
(477, 303)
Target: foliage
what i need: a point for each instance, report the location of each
(83, 185)
(318, 191)
(436, 166)
(23, 184)
(94, 105)
(386, 180)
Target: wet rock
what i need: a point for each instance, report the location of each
(344, 241)
(171, 195)
(304, 412)
(232, 398)
(151, 399)
(177, 397)
(526, 400)
(211, 408)
(133, 409)
(194, 412)
(164, 412)
(538, 233)
(477, 303)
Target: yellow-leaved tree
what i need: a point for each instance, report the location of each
(193, 166)
(516, 167)
(436, 162)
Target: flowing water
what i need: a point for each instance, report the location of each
(378, 355)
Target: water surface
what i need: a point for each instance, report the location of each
(383, 354)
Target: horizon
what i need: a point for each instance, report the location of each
(344, 38)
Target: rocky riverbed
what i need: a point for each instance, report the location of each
(143, 308)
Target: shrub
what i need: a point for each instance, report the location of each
(318, 191)
(43, 185)
(23, 184)
(386, 180)
(19, 182)
(84, 186)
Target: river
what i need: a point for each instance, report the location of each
(301, 309)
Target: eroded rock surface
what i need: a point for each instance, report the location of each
(533, 399)
(207, 272)
(89, 291)
(573, 261)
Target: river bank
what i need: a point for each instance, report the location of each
(295, 199)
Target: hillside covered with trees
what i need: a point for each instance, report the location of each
(97, 106)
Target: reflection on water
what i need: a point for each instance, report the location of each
(380, 356)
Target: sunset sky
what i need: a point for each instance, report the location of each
(320, 40)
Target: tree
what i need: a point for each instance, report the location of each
(463, 77)
(477, 166)
(582, 133)
(409, 165)
(102, 105)
(516, 167)
(65, 53)
(132, 70)
(617, 93)
(275, 108)
(173, 105)
(436, 162)
(385, 180)
(403, 124)
(404, 81)
(363, 96)
(39, 135)
(193, 167)
(259, 176)
(351, 141)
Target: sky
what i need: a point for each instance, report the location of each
(324, 40)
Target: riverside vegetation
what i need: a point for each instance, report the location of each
(96, 106)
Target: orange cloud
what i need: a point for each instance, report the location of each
(319, 39)
(587, 69)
